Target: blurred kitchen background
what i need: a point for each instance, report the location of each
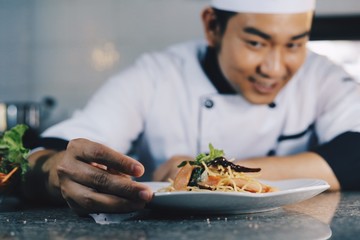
(54, 54)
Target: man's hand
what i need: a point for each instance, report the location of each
(169, 169)
(94, 178)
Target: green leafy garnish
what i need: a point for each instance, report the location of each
(203, 157)
(12, 152)
(214, 153)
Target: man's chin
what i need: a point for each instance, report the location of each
(256, 100)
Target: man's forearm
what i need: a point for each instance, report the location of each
(304, 165)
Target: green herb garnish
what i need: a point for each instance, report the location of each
(203, 157)
(12, 152)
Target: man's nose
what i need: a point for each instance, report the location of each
(273, 65)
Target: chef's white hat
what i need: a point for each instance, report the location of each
(265, 6)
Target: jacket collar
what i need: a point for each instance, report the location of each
(212, 70)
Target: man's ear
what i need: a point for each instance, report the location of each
(211, 27)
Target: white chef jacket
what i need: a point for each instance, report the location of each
(165, 105)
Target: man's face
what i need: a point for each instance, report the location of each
(259, 53)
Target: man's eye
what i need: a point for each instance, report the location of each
(254, 44)
(293, 45)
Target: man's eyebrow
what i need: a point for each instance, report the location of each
(266, 36)
(305, 34)
(257, 32)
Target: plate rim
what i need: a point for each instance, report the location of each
(298, 191)
(321, 185)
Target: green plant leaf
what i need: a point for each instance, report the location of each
(12, 151)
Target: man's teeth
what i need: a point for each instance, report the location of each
(264, 84)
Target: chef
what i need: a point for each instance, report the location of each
(251, 88)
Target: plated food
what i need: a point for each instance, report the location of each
(213, 172)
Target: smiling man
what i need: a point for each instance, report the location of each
(251, 88)
(259, 53)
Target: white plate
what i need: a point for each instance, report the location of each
(289, 192)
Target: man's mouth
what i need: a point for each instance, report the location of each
(263, 86)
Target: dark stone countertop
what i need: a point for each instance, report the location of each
(326, 216)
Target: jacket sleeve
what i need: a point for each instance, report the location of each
(338, 104)
(116, 113)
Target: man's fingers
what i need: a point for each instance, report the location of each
(88, 151)
(95, 178)
(84, 200)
